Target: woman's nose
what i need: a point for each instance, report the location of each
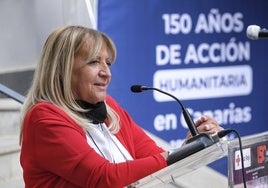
(105, 70)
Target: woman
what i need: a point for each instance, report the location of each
(73, 134)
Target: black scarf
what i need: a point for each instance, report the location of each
(96, 112)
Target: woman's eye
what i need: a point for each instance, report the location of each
(93, 62)
(109, 63)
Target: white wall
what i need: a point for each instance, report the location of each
(26, 24)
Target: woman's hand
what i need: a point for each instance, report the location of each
(206, 125)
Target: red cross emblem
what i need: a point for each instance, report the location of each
(238, 160)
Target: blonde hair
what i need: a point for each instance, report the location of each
(52, 78)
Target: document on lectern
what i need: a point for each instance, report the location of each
(167, 176)
(255, 153)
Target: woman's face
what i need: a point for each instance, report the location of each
(90, 79)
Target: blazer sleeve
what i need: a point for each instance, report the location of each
(57, 145)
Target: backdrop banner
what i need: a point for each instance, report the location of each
(197, 51)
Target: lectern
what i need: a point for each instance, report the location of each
(166, 178)
(255, 154)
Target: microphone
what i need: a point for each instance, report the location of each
(198, 141)
(186, 115)
(205, 138)
(255, 32)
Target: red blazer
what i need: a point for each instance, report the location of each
(55, 152)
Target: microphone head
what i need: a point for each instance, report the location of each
(253, 32)
(136, 88)
(139, 88)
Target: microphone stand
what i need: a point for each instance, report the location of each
(205, 138)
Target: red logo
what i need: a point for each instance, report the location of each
(238, 160)
(261, 150)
